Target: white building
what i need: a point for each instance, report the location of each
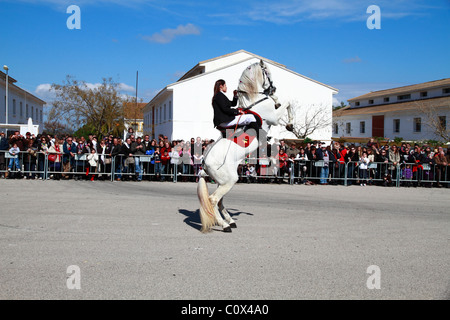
(410, 112)
(183, 110)
(22, 105)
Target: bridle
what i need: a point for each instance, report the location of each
(268, 92)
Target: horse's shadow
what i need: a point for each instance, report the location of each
(193, 217)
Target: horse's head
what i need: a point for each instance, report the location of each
(256, 80)
(267, 84)
(257, 92)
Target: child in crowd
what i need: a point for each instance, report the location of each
(363, 166)
(14, 152)
(93, 163)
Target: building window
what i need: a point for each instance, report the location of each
(32, 112)
(446, 91)
(370, 101)
(14, 108)
(357, 103)
(417, 125)
(443, 122)
(362, 127)
(396, 125)
(335, 128)
(386, 99)
(165, 112)
(424, 94)
(404, 97)
(27, 112)
(348, 127)
(170, 110)
(21, 109)
(40, 116)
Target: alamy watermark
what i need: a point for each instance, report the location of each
(74, 20)
(374, 280)
(74, 279)
(374, 21)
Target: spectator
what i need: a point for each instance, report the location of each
(42, 151)
(138, 149)
(93, 161)
(128, 160)
(394, 158)
(54, 159)
(14, 161)
(165, 164)
(115, 155)
(18, 139)
(428, 165)
(301, 160)
(282, 160)
(292, 150)
(175, 156)
(363, 166)
(104, 160)
(187, 160)
(30, 159)
(69, 152)
(4, 146)
(352, 160)
(157, 163)
(198, 159)
(81, 168)
(325, 157)
(441, 165)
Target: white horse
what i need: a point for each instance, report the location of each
(256, 92)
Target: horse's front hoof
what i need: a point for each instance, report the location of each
(290, 127)
(233, 225)
(227, 229)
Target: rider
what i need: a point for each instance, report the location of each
(224, 115)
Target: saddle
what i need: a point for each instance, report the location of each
(238, 134)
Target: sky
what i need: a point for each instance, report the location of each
(326, 40)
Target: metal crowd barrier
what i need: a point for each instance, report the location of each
(40, 165)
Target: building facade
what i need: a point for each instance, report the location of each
(22, 105)
(182, 110)
(416, 112)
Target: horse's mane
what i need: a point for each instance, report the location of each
(249, 80)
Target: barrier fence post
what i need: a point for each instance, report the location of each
(345, 173)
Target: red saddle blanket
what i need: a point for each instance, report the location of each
(238, 135)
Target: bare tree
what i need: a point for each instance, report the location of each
(434, 117)
(308, 119)
(78, 104)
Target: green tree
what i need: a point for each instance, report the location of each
(100, 107)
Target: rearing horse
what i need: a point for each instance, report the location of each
(221, 160)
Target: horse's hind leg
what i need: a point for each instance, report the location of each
(226, 215)
(215, 198)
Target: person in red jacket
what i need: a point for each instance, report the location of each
(165, 161)
(283, 168)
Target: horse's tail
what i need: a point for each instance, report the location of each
(207, 215)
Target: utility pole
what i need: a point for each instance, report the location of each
(5, 67)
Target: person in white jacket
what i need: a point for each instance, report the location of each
(93, 163)
(14, 152)
(363, 166)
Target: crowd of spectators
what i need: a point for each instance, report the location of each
(69, 157)
(369, 164)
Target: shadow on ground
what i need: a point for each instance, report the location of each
(193, 217)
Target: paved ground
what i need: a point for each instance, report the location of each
(142, 241)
